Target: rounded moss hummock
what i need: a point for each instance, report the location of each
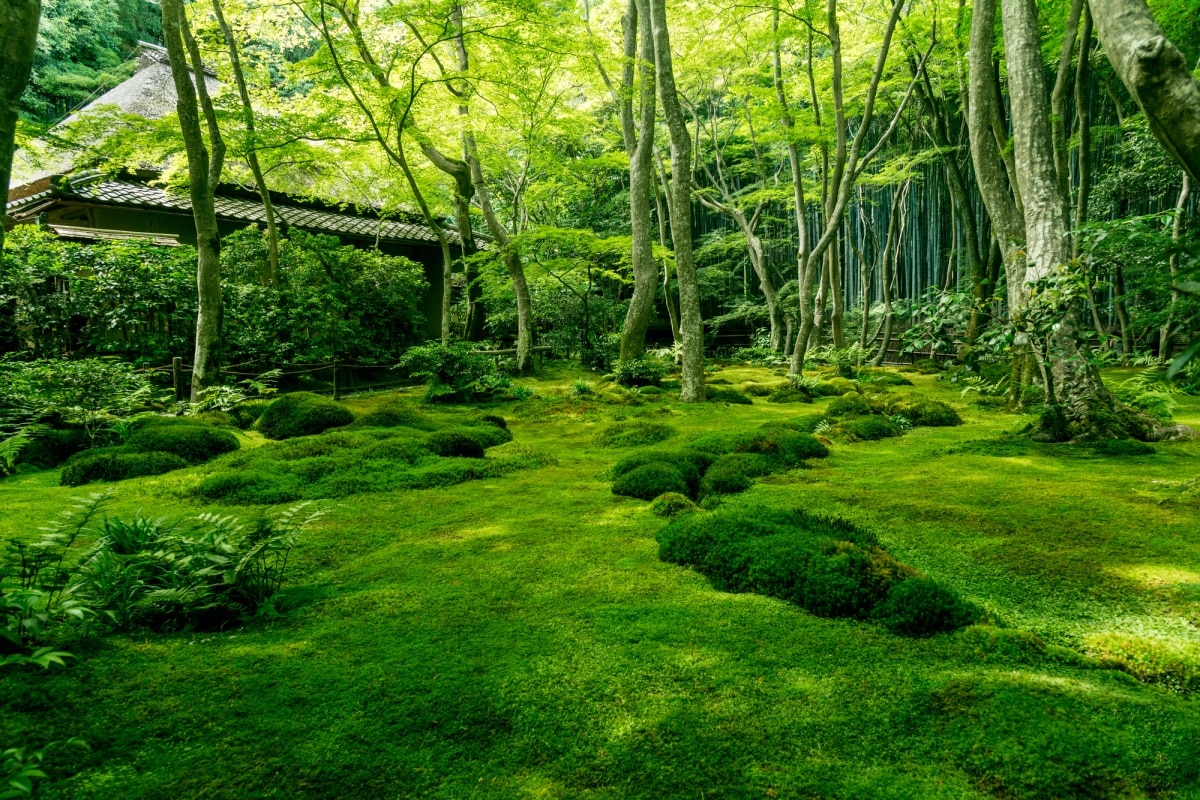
(302, 414)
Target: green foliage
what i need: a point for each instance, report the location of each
(88, 393)
(454, 373)
(869, 428)
(639, 372)
(252, 487)
(634, 434)
(50, 447)
(671, 505)
(302, 414)
(12, 447)
(922, 607)
(833, 387)
(454, 445)
(394, 414)
(826, 566)
(784, 447)
(117, 464)
(649, 481)
(734, 473)
(1117, 448)
(789, 395)
(721, 394)
(851, 405)
(148, 572)
(923, 412)
(195, 444)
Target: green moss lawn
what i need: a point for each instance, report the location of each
(517, 636)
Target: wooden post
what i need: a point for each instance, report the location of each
(336, 393)
(177, 377)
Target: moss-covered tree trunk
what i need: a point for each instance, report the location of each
(18, 40)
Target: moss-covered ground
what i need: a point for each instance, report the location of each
(517, 636)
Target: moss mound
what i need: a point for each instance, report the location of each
(634, 434)
(789, 395)
(852, 405)
(671, 505)
(734, 473)
(785, 447)
(302, 414)
(922, 607)
(195, 444)
(721, 394)
(1118, 448)
(649, 481)
(395, 414)
(117, 464)
(454, 444)
(870, 428)
(51, 448)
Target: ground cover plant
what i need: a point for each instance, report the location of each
(523, 628)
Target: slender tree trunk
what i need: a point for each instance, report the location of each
(990, 173)
(260, 181)
(1164, 334)
(1058, 98)
(476, 316)
(897, 223)
(639, 143)
(18, 41)
(836, 296)
(206, 361)
(1155, 73)
(691, 325)
(668, 296)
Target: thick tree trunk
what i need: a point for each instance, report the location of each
(206, 361)
(639, 144)
(260, 182)
(990, 173)
(1155, 73)
(691, 325)
(1069, 380)
(18, 40)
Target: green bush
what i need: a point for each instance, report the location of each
(639, 372)
(50, 448)
(734, 473)
(251, 487)
(869, 428)
(784, 447)
(453, 373)
(690, 464)
(722, 395)
(116, 464)
(634, 434)
(925, 413)
(302, 414)
(922, 607)
(395, 414)
(826, 566)
(1116, 448)
(671, 505)
(852, 405)
(649, 481)
(454, 444)
(195, 444)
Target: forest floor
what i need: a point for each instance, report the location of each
(519, 637)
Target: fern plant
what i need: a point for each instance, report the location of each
(11, 447)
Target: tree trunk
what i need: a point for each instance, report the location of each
(206, 361)
(18, 41)
(1164, 335)
(639, 143)
(990, 174)
(271, 278)
(691, 325)
(668, 296)
(897, 222)
(1069, 380)
(1155, 73)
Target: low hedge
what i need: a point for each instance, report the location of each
(302, 414)
(194, 443)
(117, 464)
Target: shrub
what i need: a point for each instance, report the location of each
(453, 444)
(1122, 447)
(789, 395)
(734, 473)
(869, 428)
(50, 448)
(639, 372)
(849, 406)
(649, 481)
(785, 447)
(723, 395)
(926, 413)
(394, 414)
(195, 444)
(302, 414)
(922, 607)
(671, 504)
(453, 372)
(690, 464)
(251, 487)
(117, 464)
(634, 434)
